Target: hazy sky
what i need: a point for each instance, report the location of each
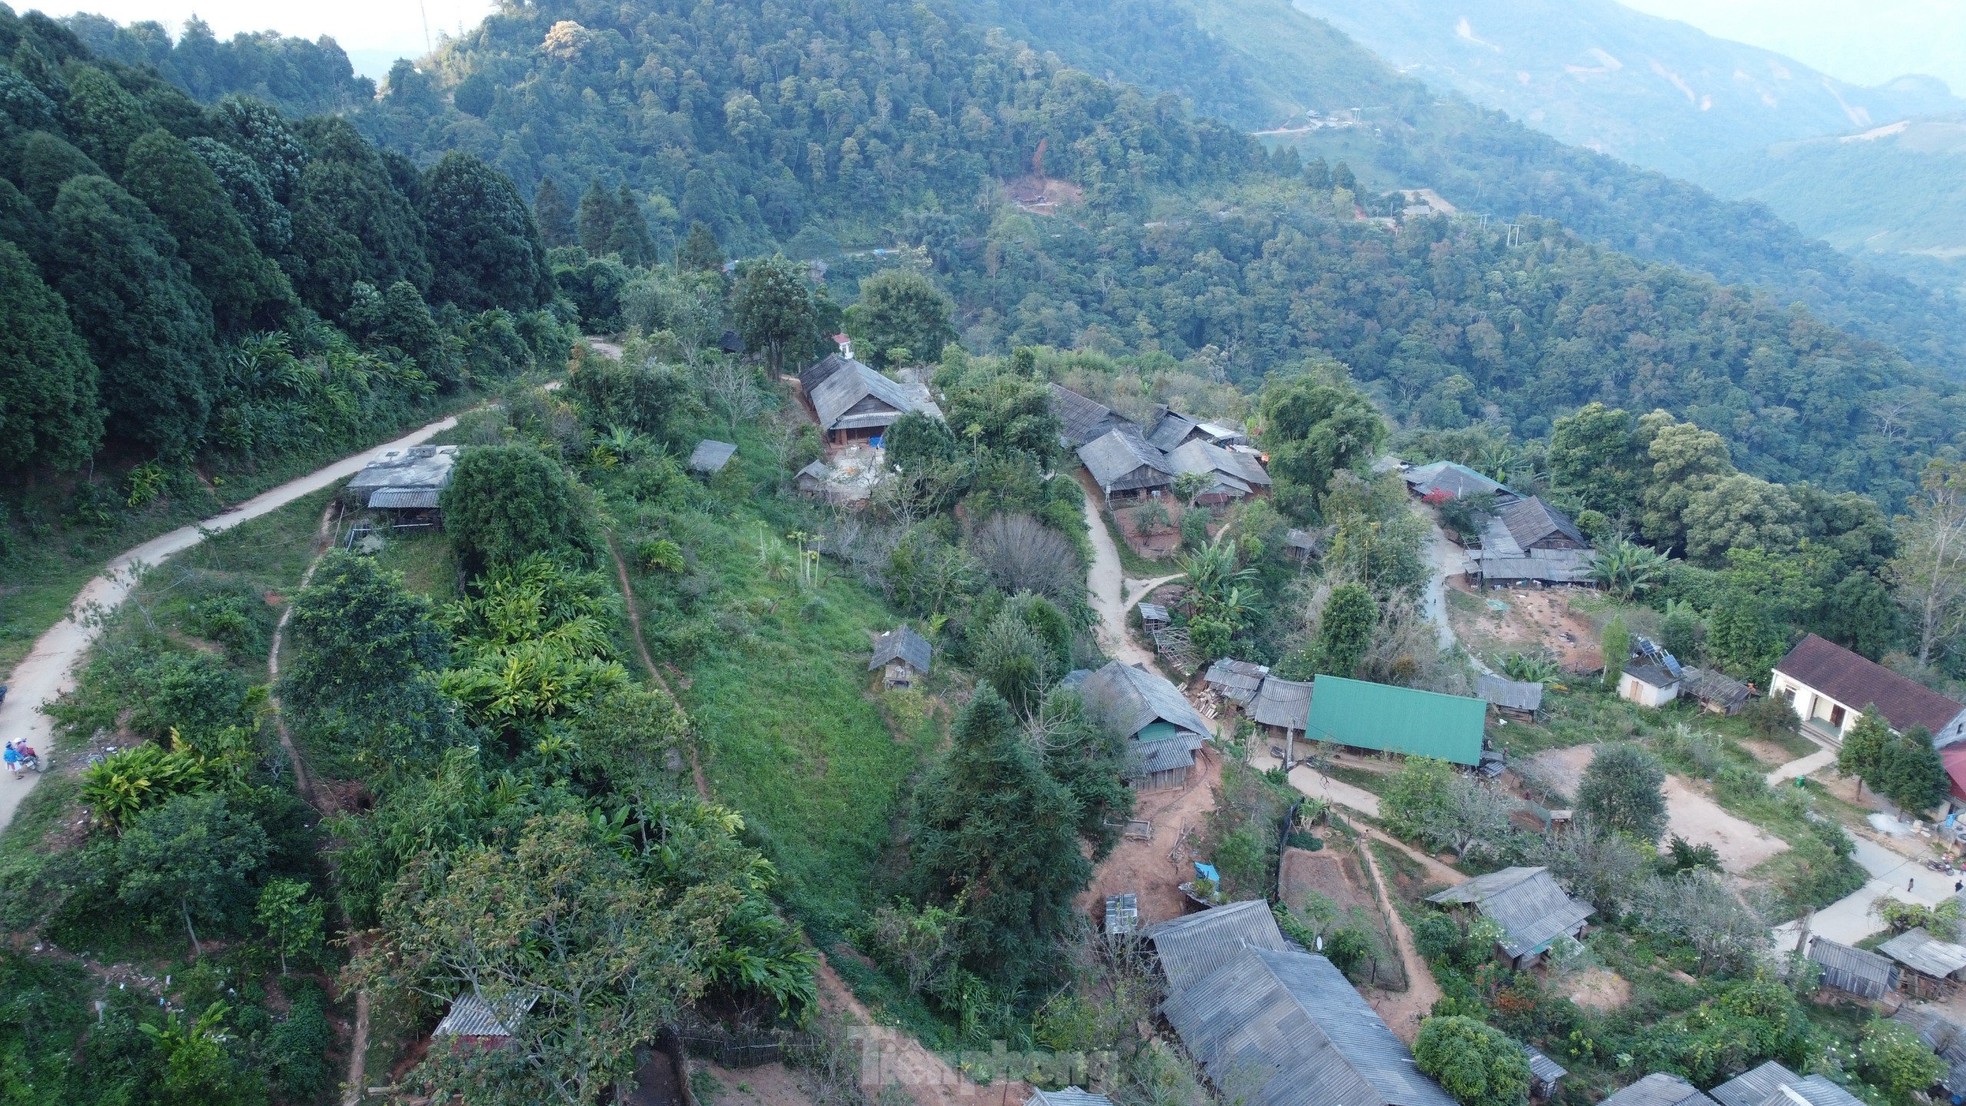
(372, 31)
(1865, 41)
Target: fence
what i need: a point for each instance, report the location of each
(733, 1048)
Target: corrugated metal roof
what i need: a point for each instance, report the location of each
(1234, 679)
(1859, 682)
(1130, 699)
(1170, 429)
(1510, 694)
(1083, 419)
(711, 456)
(1925, 954)
(1754, 1087)
(1285, 1028)
(1813, 1090)
(1542, 1067)
(1855, 970)
(402, 499)
(1659, 1089)
(1651, 675)
(1454, 479)
(1528, 903)
(1535, 525)
(1070, 1096)
(1192, 947)
(420, 466)
(1205, 457)
(851, 395)
(1397, 719)
(476, 1016)
(1715, 689)
(1945, 1037)
(1153, 612)
(1501, 561)
(1285, 704)
(1117, 459)
(903, 644)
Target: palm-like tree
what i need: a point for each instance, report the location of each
(1625, 568)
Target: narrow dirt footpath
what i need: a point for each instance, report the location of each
(358, 1047)
(1403, 1010)
(648, 661)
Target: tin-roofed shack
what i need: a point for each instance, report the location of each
(1932, 966)
(1854, 970)
(1530, 906)
(484, 1022)
(404, 481)
(1385, 718)
(905, 654)
(1162, 730)
(710, 457)
(1520, 698)
(1273, 1025)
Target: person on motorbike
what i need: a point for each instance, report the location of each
(28, 757)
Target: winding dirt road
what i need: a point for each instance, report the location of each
(49, 669)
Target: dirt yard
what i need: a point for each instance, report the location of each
(1690, 813)
(1153, 869)
(1329, 872)
(1163, 541)
(1599, 989)
(1501, 621)
(765, 1085)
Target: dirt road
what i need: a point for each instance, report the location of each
(1447, 560)
(49, 669)
(1113, 594)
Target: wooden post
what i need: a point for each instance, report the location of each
(1289, 748)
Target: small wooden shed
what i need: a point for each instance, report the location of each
(1932, 967)
(1648, 685)
(1544, 1073)
(475, 1021)
(1853, 970)
(1517, 698)
(710, 457)
(905, 654)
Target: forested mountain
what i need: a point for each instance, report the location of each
(1413, 136)
(1594, 73)
(297, 76)
(190, 283)
(886, 124)
(1745, 122)
(1889, 193)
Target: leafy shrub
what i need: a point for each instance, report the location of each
(297, 1049)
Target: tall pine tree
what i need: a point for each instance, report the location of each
(48, 413)
(631, 238)
(596, 219)
(997, 835)
(554, 215)
(246, 290)
(146, 322)
(484, 250)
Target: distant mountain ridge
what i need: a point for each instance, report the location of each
(1655, 92)
(1747, 123)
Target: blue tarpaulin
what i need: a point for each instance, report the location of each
(1207, 872)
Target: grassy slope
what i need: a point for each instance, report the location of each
(54, 556)
(790, 731)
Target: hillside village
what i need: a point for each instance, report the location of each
(1374, 871)
(1187, 626)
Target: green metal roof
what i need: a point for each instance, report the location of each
(1157, 731)
(1396, 719)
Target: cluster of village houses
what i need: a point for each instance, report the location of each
(1274, 1024)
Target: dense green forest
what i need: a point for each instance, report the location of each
(222, 285)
